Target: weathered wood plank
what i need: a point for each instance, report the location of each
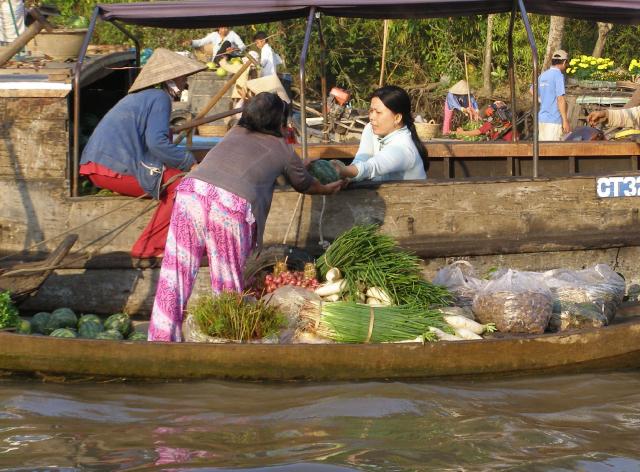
(493, 149)
(34, 93)
(15, 110)
(33, 150)
(433, 218)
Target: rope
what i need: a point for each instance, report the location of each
(324, 244)
(295, 210)
(116, 231)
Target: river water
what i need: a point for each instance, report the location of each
(562, 423)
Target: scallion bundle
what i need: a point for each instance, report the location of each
(370, 259)
(350, 322)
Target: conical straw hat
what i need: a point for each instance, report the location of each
(269, 83)
(165, 65)
(460, 88)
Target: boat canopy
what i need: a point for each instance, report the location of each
(212, 13)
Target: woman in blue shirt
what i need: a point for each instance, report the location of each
(131, 152)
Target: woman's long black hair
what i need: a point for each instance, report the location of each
(397, 100)
(265, 113)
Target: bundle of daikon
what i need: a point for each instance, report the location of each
(368, 259)
(350, 322)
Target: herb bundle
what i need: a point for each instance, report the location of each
(370, 259)
(230, 315)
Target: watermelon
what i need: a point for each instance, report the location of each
(90, 329)
(119, 322)
(137, 336)
(61, 318)
(323, 171)
(93, 318)
(109, 334)
(64, 333)
(24, 327)
(39, 322)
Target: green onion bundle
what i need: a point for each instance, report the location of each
(368, 258)
(350, 322)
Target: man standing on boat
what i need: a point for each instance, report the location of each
(269, 60)
(131, 152)
(553, 116)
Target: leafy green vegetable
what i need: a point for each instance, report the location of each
(8, 312)
(229, 315)
(367, 257)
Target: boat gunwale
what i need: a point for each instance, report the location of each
(332, 362)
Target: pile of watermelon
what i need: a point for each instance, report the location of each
(64, 323)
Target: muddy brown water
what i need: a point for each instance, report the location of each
(563, 423)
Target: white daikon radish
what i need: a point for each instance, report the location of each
(375, 292)
(465, 333)
(374, 302)
(331, 288)
(442, 336)
(332, 298)
(333, 275)
(457, 321)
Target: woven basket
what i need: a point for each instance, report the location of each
(427, 130)
(212, 130)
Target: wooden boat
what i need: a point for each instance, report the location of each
(614, 347)
(480, 201)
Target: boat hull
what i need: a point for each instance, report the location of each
(611, 348)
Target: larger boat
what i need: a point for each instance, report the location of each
(526, 205)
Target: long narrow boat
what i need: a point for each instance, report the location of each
(614, 347)
(480, 201)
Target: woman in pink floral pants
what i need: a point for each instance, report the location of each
(222, 207)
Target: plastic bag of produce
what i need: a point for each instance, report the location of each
(584, 298)
(289, 301)
(192, 333)
(516, 302)
(459, 278)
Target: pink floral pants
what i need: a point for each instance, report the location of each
(204, 218)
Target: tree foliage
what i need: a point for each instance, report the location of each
(418, 51)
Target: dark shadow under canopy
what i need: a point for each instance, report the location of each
(212, 13)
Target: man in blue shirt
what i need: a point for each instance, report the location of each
(552, 117)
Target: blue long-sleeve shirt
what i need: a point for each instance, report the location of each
(133, 139)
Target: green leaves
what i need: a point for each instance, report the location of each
(8, 312)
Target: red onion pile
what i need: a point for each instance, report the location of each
(298, 279)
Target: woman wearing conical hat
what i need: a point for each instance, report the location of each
(131, 153)
(458, 99)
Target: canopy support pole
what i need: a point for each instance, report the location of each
(75, 163)
(323, 80)
(303, 98)
(512, 73)
(534, 53)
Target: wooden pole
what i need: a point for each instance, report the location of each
(385, 37)
(32, 30)
(466, 75)
(216, 98)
